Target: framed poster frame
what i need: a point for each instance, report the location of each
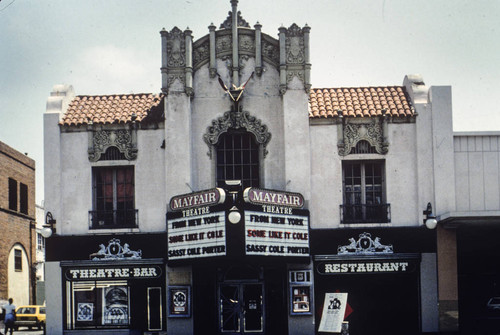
(179, 301)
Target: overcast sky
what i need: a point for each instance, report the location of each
(113, 46)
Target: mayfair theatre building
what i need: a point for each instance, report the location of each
(236, 199)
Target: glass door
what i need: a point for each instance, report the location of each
(241, 308)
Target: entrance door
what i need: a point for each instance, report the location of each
(241, 308)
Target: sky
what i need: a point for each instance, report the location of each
(114, 47)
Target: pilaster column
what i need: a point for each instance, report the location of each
(236, 76)
(212, 64)
(189, 61)
(258, 49)
(164, 61)
(307, 60)
(282, 39)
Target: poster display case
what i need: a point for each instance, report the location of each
(300, 283)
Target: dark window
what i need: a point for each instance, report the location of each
(23, 205)
(98, 305)
(12, 194)
(18, 260)
(238, 159)
(113, 192)
(364, 192)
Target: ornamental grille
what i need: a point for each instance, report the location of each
(112, 154)
(364, 147)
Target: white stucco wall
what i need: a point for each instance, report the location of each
(53, 292)
(76, 182)
(400, 175)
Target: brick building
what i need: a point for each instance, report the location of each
(17, 223)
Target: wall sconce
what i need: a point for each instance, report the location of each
(430, 218)
(49, 226)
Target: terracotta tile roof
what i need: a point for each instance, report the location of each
(359, 102)
(108, 109)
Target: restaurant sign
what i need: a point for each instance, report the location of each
(366, 267)
(276, 231)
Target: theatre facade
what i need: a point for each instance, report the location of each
(238, 200)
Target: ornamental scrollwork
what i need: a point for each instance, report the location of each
(291, 73)
(228, 23)
(371, 132)
(122, 139)
(176, 54)
(223, 44)
(115, 251)
(201, 53)
(270, 51)
(295, 49)
(237, 120)
(365, 245)
(181, 77)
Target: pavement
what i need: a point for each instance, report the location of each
(22, 331)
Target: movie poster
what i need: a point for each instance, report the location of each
(115, 305)
(333, 312)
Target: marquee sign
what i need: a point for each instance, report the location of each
(277, 232)
(196, 232)
(272, 224)
(273, 198)
(204, 198)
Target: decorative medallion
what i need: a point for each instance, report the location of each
(246, 43)
(122, 139)
(237, 120)
(371, 132)
(223, 44)
(365, 245)
(115, 251)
